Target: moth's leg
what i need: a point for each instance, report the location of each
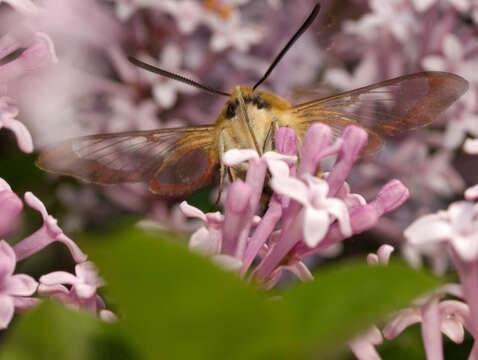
(231, 174)
(243, 110)
(269, 143)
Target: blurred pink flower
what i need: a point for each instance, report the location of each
(381, 257)
(39, 53)
(14, 289)
(364, 74)
(232, 32)
(83, 284)
(26, 7)
(449, 317)
(471, 146)
(319, 211)
(47, 234)
(363, 345)
(165, 91)
(10, 207)
(308, 209)
(458, 226)
(8, 112)
(390, 16)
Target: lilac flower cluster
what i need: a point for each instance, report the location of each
(397, 37)
(305, 214)
(17, 290)
(90, 87)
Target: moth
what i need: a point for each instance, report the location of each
(178, 161)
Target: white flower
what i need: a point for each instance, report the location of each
(319, 210)
(458, 225)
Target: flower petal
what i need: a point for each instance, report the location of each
(316, 225)
(202, 243)
(339, 210)
(453, 329)
(428, 228)
(471, 193)
(24, 139)
(85, 291)
(227, 263)
(59, 277)
(235, 156)
(7, 260)
(20, 285)
(7, 308)
(404, 319)
(384, 253)
(192, 211)
(290, 187)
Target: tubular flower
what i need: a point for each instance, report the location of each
(305, 213)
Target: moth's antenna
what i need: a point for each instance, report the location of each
(291, 42)
(173, 76)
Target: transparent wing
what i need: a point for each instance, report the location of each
(387, 108)
(129, 157)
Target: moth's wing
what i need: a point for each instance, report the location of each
(139, 156)
(387, 108)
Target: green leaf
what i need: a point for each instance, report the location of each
(178, 305)
(50, 332)
(345, 298)
(173, 304)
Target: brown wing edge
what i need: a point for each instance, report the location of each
(57, 159)
(452, 87)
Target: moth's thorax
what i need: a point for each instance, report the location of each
(262, 109)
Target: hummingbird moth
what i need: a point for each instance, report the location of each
(178, 161)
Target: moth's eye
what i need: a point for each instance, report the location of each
(231, 110)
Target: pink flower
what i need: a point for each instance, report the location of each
(449, 317)
(47, 234)
(39, 53)
(364, 74)
(363, 345)
(391, 16)
(232, 32)
(10, 207)
(206, 240)
(471, 146)
(165, 91)
(458, 226)
(83, 286)
(319, 211)
(14, 289)
(26, 7)
(8, 113)
(381, 257)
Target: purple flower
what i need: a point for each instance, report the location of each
(381, 257)
(10, 207)
(15, 290)
(84, 285)
(305, 214)
(363, 345)
(458, 226)
(47, 234)
(232, 32)
(26, 7)
(165, 91)
(39, 54)
(318, 211)
(8, 113)
(448, 316)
